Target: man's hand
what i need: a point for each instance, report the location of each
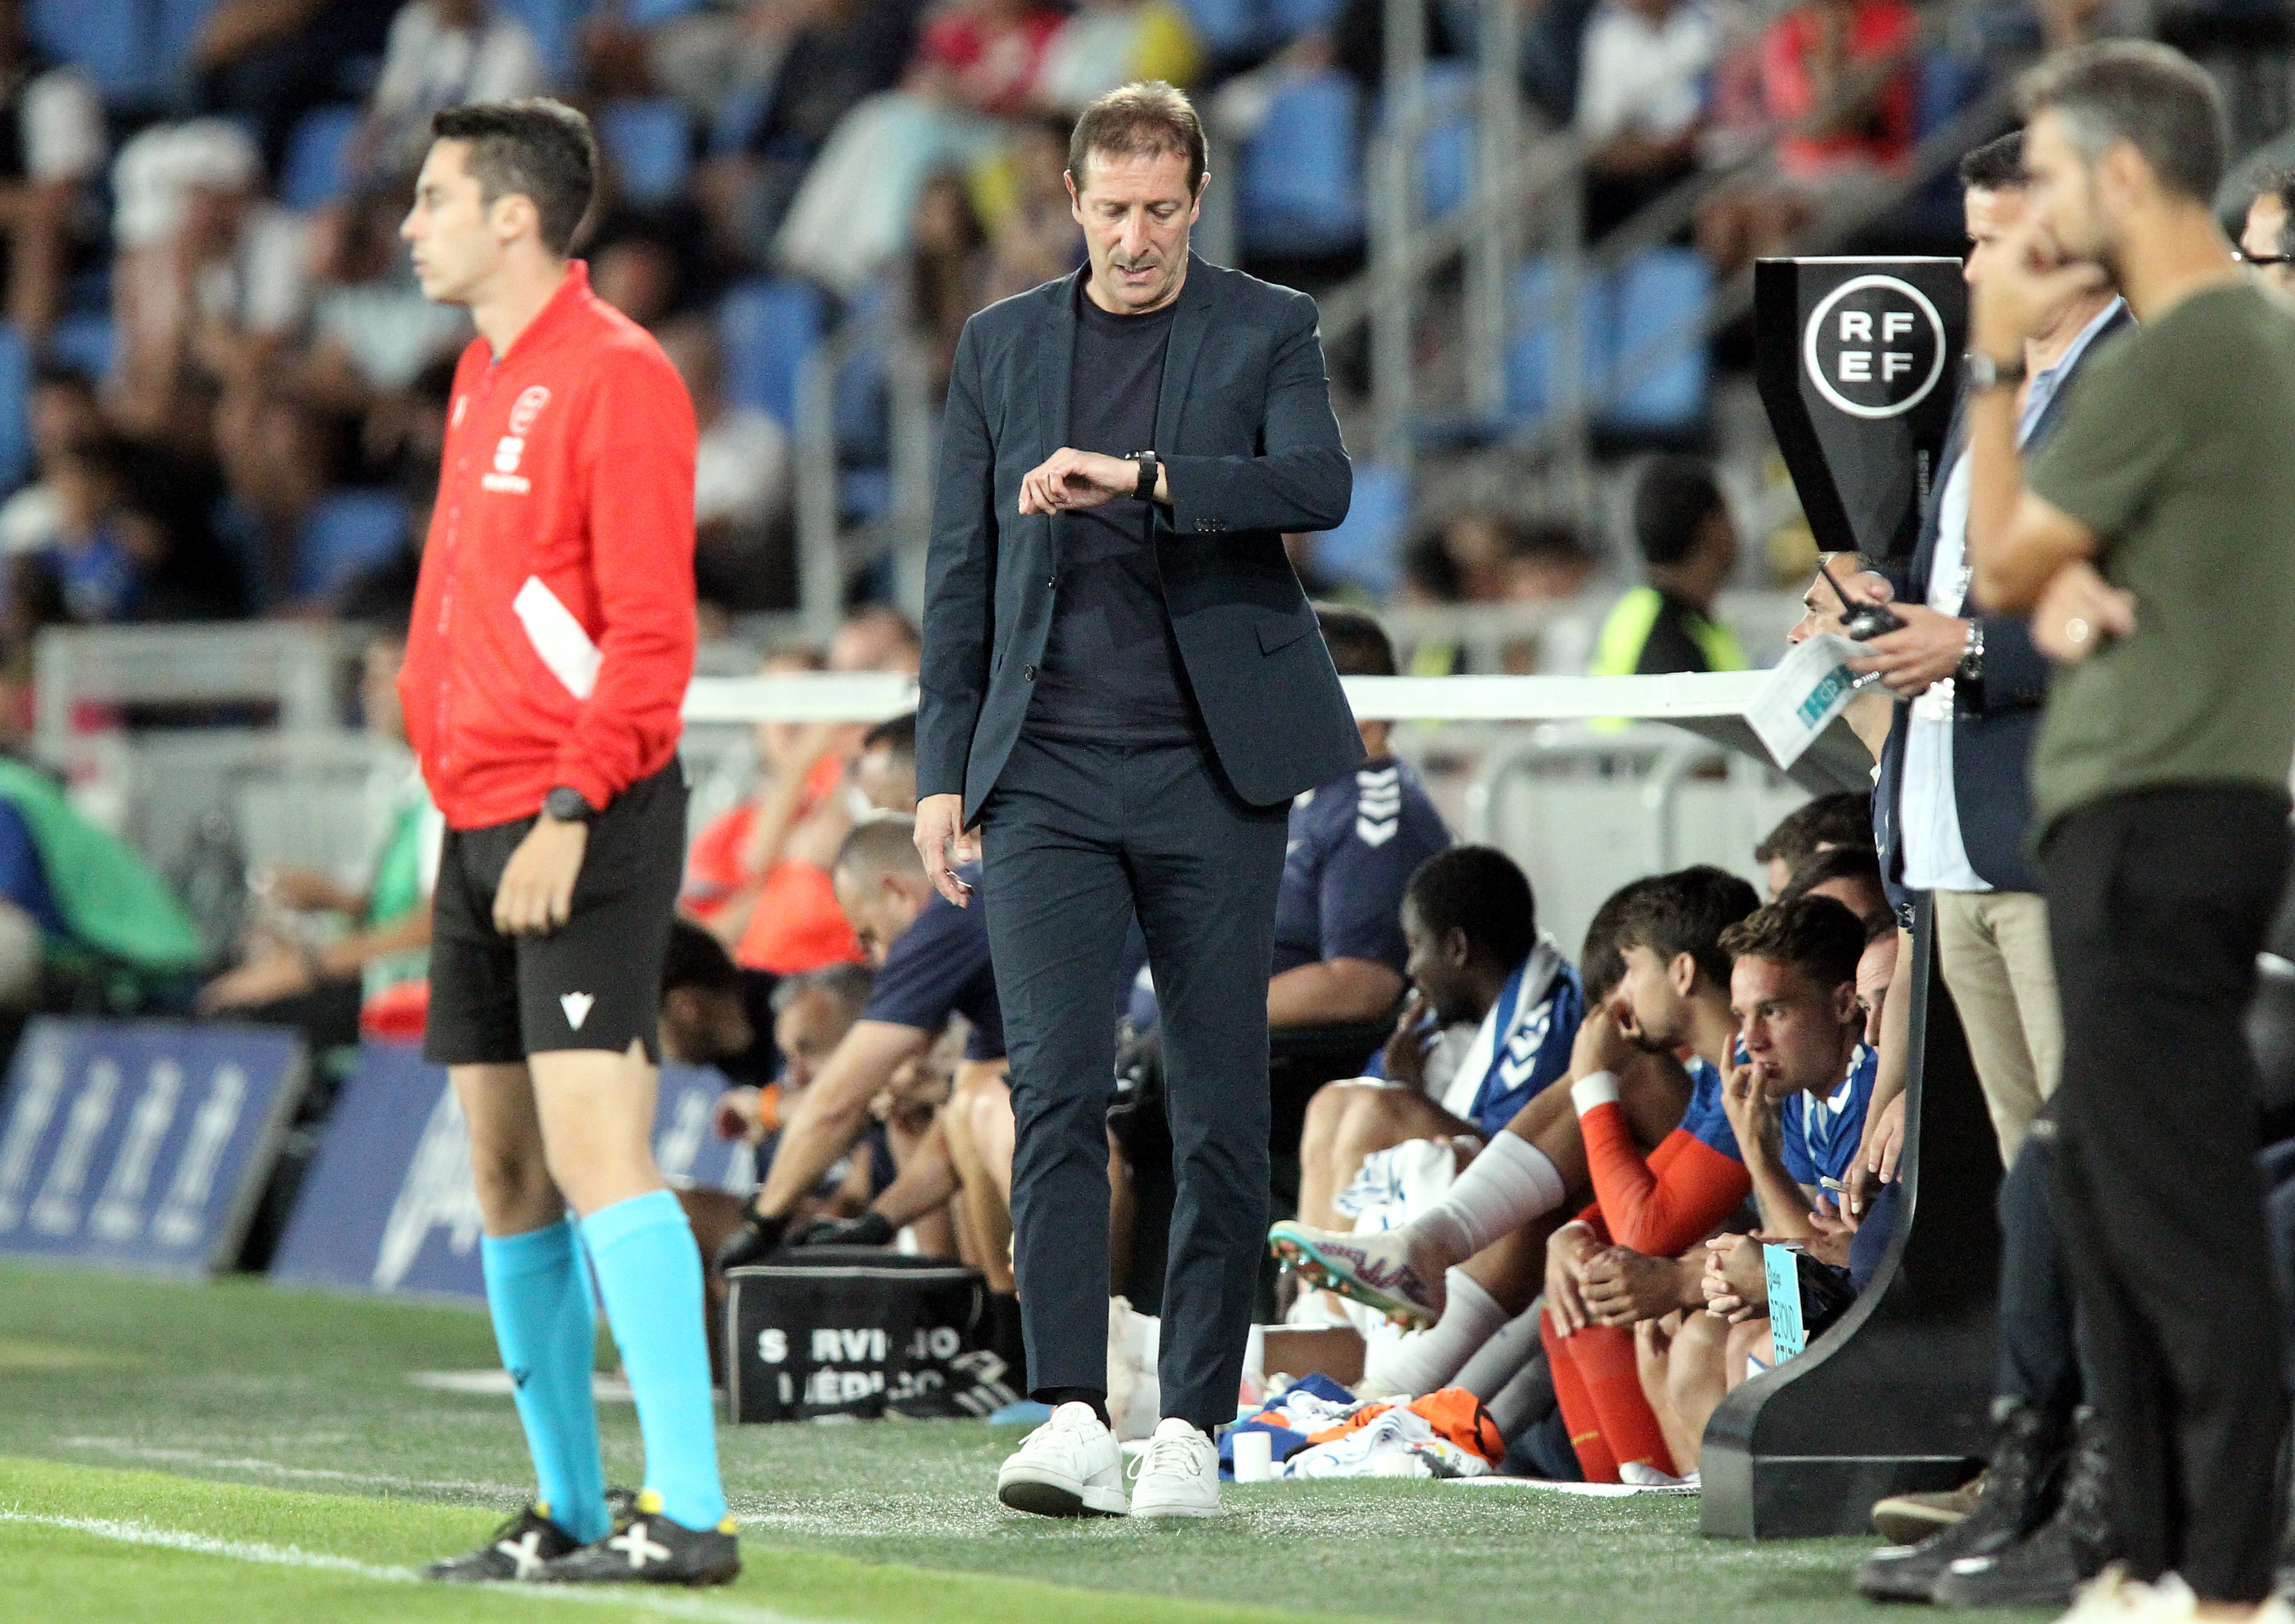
(945, 844)
(536, 894)
(1836, 1233)
(738, 1114)
(1069, 480)
(1885, 1146)
(1924, 651)
(1601, 1044)
(1752, 1115)
(871, 1228)
(1406, 1050)
(1737, 1280)
(1623, 1287)
(2078, 611)
(2024, 290)
(1566, 1252)
(259, 980)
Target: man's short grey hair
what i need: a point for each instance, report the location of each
(848, 983)
(2156, 99)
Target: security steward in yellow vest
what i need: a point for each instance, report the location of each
(1690, 547)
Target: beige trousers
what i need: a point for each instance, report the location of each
(1994, 948)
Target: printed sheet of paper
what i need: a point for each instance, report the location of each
(1806, 691)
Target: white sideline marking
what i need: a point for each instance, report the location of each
(628, 1596)
(233, 1463)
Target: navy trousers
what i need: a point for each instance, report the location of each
(1077, 838)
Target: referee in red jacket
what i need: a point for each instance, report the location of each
(552, 639)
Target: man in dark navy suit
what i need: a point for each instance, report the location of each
(1122, 690)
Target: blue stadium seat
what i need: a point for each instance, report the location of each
(317, 167)
(109, 39)
(1658, 357)
(1228, 27)
(349, 531)
(1367, 548)
(554, 25)
(737, 118)
(768, 326)
(645, 13)
(84, 342)
(1446, 152)
(1302, 188)
(651, 146)
(864, 494)
(179, 23)
(1948, 83)
(1533, 361)
(15, 408)
(1292, 17)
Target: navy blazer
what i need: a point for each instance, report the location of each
(1995, 722)
(1249, 448)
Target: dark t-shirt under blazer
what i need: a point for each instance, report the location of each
(1111, 668)
(1244, 429)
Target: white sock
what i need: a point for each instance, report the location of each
(1510, 1183)
(1500, 1359)
(1425, 1361)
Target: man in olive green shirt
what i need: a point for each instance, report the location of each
(2155, 542)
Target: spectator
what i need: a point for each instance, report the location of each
(319, 986)
(64, 414)
(758, 876)
(740, 481)
(46, 169)
(1837, 75)
(705, 1021)
(1821, 825)
(1105, 43)
(885, 771)
(440, 54)
(1871, 711)
(1641, 101)
(2266, 241)
(280, 458)
(270, 62)
(948, 275)
(371, 332)
(1029, 216)
(1689, 545)
(1547, 561)
(877, 637)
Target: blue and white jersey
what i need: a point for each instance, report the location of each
(1354, 843)
(1822, 1133)
(1524, 1044)
(1707, 1120)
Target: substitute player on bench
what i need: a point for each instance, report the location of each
(554, 636)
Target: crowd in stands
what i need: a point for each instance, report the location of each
(233, 393)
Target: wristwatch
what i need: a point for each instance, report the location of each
(1985, 373)
(568, 805)
(1149, 469)
(1971, 669)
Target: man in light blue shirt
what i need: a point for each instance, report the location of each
(1952, 805)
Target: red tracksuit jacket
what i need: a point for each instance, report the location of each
(553, 626)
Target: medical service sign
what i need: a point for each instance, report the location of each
(142, 1144)
(388, 1204)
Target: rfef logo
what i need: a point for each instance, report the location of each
(1875, 347)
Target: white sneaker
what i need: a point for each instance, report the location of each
(1389, 1270)
(1178, 1474)
(1068, 1467)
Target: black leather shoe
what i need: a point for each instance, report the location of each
(2017, 1497)
(757, 1239)
(2071, 1547)
(521, 1548)
(647, 1548)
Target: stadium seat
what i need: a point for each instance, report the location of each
(110, 40)
(1948, 83)
(1446, 152)
(649, 144)
(316, 170)
(349, 531)
(768, 326)
(1658, 360)
(1366, 547)
(554, 25)
(15, 408)
(1302, 188)
(737, 118)
(864, 494)
(179, 24)
(645, 13)
(83, 341)
(1534, 360)
(1292, 17)
(1229, 28)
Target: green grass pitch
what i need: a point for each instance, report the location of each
(234, 1452)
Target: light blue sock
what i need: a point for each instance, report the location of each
(548, 1334)
(649, 1274)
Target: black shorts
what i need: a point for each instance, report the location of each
(596, 981)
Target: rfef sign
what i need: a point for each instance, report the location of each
(1857, 361)
(142, 1144)
(1875, 347)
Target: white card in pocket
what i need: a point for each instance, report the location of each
(558, 637)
